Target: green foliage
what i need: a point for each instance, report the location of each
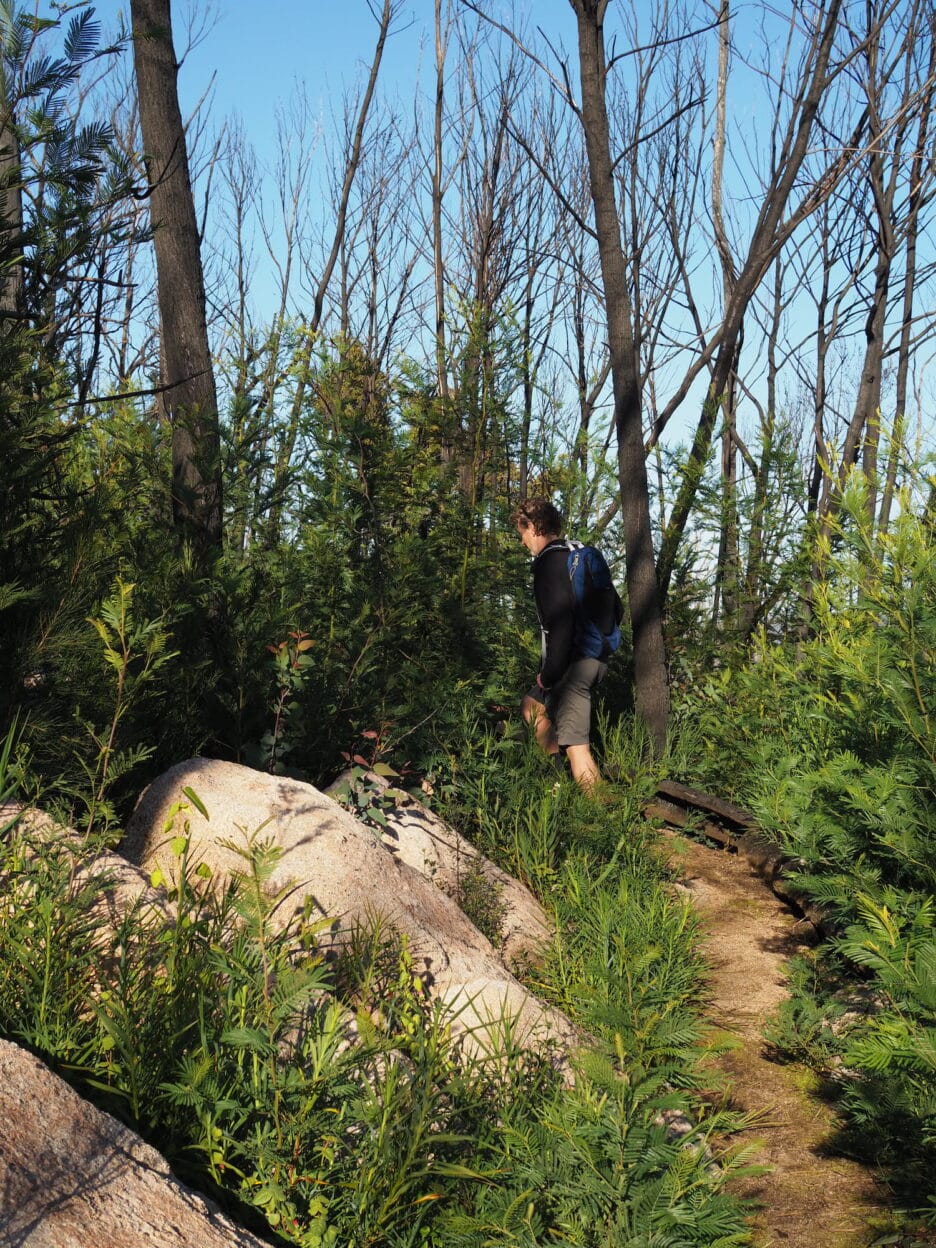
(415, 601)
(74, 524)
(334, 1098)
(832, 743)
(596, 1167)
(290, 661)
(895, 1049)
(67, 174)
(808, 1025)
(507, 798)
(49, 933)
(481, 899)
(134, 651)
(836, 753)
(365, 797)
(367, 529)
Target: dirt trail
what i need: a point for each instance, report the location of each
(810, 1198)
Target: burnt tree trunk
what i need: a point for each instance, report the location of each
(650, 678)
(768, 236)
(11, 215)
(190, 397)
(921, 174)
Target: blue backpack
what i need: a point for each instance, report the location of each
(598, 607)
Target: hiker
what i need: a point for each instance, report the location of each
(579, 612)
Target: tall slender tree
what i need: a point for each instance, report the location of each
(652, 689)
(188, 377)
(773, 226)
(384, 14)
(11, 199)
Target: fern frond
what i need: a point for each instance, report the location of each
(82, 37)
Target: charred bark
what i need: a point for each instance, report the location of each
(190, 396)
(650, 677)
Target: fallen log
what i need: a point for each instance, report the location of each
(697, 799)
(683, 808)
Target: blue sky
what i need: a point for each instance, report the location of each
(252, 63)
(257, 60)
(253, 59)
(328, 46)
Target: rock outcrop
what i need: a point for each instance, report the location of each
(74, 1177)
(114, 885)
(350, 876)
(418, 837)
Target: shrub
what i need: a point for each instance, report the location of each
(831, 740)
(334, 1098)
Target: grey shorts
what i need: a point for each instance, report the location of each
(568, 703)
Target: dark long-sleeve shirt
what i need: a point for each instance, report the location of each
(555, 606)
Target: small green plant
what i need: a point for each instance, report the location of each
(365, 797)
(291, 662)
(481, 899)
(134, 651)
(807, 1027)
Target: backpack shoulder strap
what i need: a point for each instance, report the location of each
(561, 543)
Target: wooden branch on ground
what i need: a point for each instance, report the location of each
(679, 807)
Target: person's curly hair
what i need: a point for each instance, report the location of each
(538, 514)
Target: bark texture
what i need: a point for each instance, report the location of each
(190, 395)
(650, 677)
(11, 215)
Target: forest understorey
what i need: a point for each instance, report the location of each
(804, 1188)
(269, 410)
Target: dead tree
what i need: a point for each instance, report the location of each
(11, 212)
(921, 193)
(728, 572)
(650, 677)
(304, 355)
(893, 226)
(188, 375)
(438, 193)
(771, 229)
(545, 262)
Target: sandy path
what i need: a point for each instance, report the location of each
(810, 1199)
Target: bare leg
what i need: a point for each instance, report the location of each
(585, 771)
(535, 713)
